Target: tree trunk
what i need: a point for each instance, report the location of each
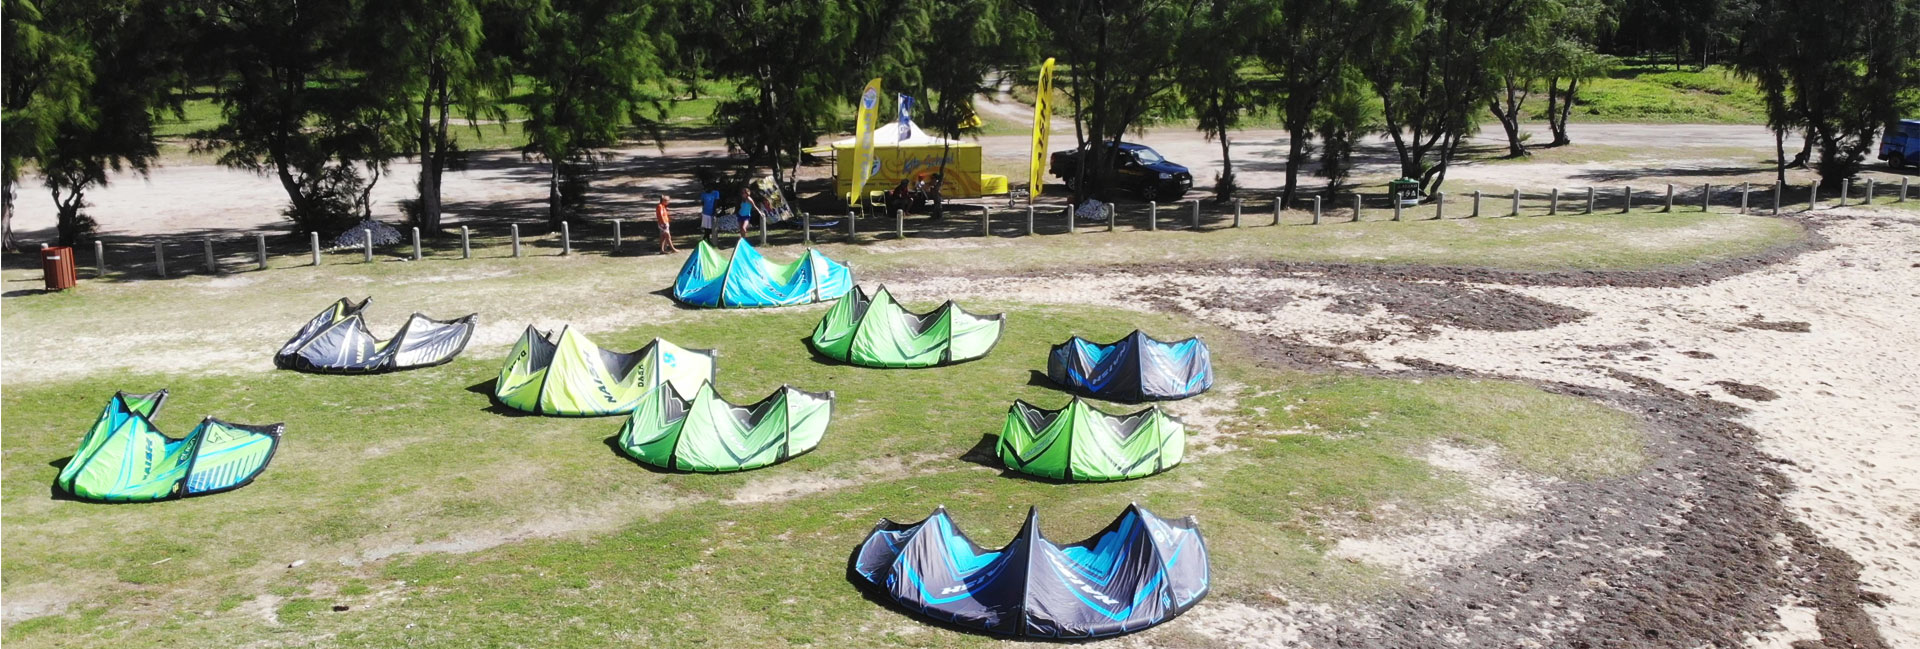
(1223, 190)
(940, 179)
(67, 226)
(554, 213)
(1799, 160)
(1566, 110)
(1559, 106)
(1507, 110)
(434, 163)
(1780, 154)
(6, 219)
(1296, 145)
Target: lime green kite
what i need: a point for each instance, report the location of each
(709, 435)
(569, 375)
(1083, 444)
(124, 458)
(878, 332)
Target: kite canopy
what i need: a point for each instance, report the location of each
(337, 342)
(569, 375)
(710, 435)
(1080, 443)
(1138, 572)
(1133, 369)
(124, 458)
(878, 332)
(748, 280)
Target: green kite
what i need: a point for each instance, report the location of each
(1082, 444)
(569, 375)
(125, 458)
(878, 332)
(709, 435)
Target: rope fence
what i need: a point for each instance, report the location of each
(174, 258)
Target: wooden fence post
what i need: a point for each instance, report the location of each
(1236, 212)
(100, 259)
(1669, 207)
(516, 240)
(1196, 214)
(1439, 205)
(160, 258)
(1358, 203)
(1476, 204)
(1706, 197)
(1589, 200)
(366, 244)
(1277, 204)
(1153, 216)
(206, 249)
(566, 238)
(466, 249)
(1553, 201)
(1516, 202)
(1073, 219)
(616, 235)
(313, 240)
(1316, 210)
(259, 250)
(416, 244)
(1395, 199)
(1628, 195)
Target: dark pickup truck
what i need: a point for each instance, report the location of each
(1137, 168)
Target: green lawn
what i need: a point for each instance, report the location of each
(392, 465)
(1652, 93)
(439, 521)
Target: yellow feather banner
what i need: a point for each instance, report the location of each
(865, 165)
(1042, 127)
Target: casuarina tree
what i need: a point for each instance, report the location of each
(589, 65)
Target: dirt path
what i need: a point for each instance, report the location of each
(1815, 353)
(192, 200)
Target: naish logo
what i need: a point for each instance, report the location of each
(604, 392)
(1083, 586)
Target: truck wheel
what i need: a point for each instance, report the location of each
(1150, 193)
(1068, 180)
(1897, 161)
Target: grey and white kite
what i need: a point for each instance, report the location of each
(337, 342)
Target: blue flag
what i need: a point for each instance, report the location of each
(906, 118)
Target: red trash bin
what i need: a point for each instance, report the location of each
(57, 263)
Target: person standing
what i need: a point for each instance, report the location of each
(663, 218)
(746, 210)
(709, 203)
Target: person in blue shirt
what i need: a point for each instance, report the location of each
(745, 211)
(709, 201)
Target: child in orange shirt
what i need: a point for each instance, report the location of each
(664, 219)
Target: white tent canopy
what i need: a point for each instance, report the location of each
(888, 134)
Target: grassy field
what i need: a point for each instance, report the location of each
(385, 480)
(1652, 93)
(436, 519)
